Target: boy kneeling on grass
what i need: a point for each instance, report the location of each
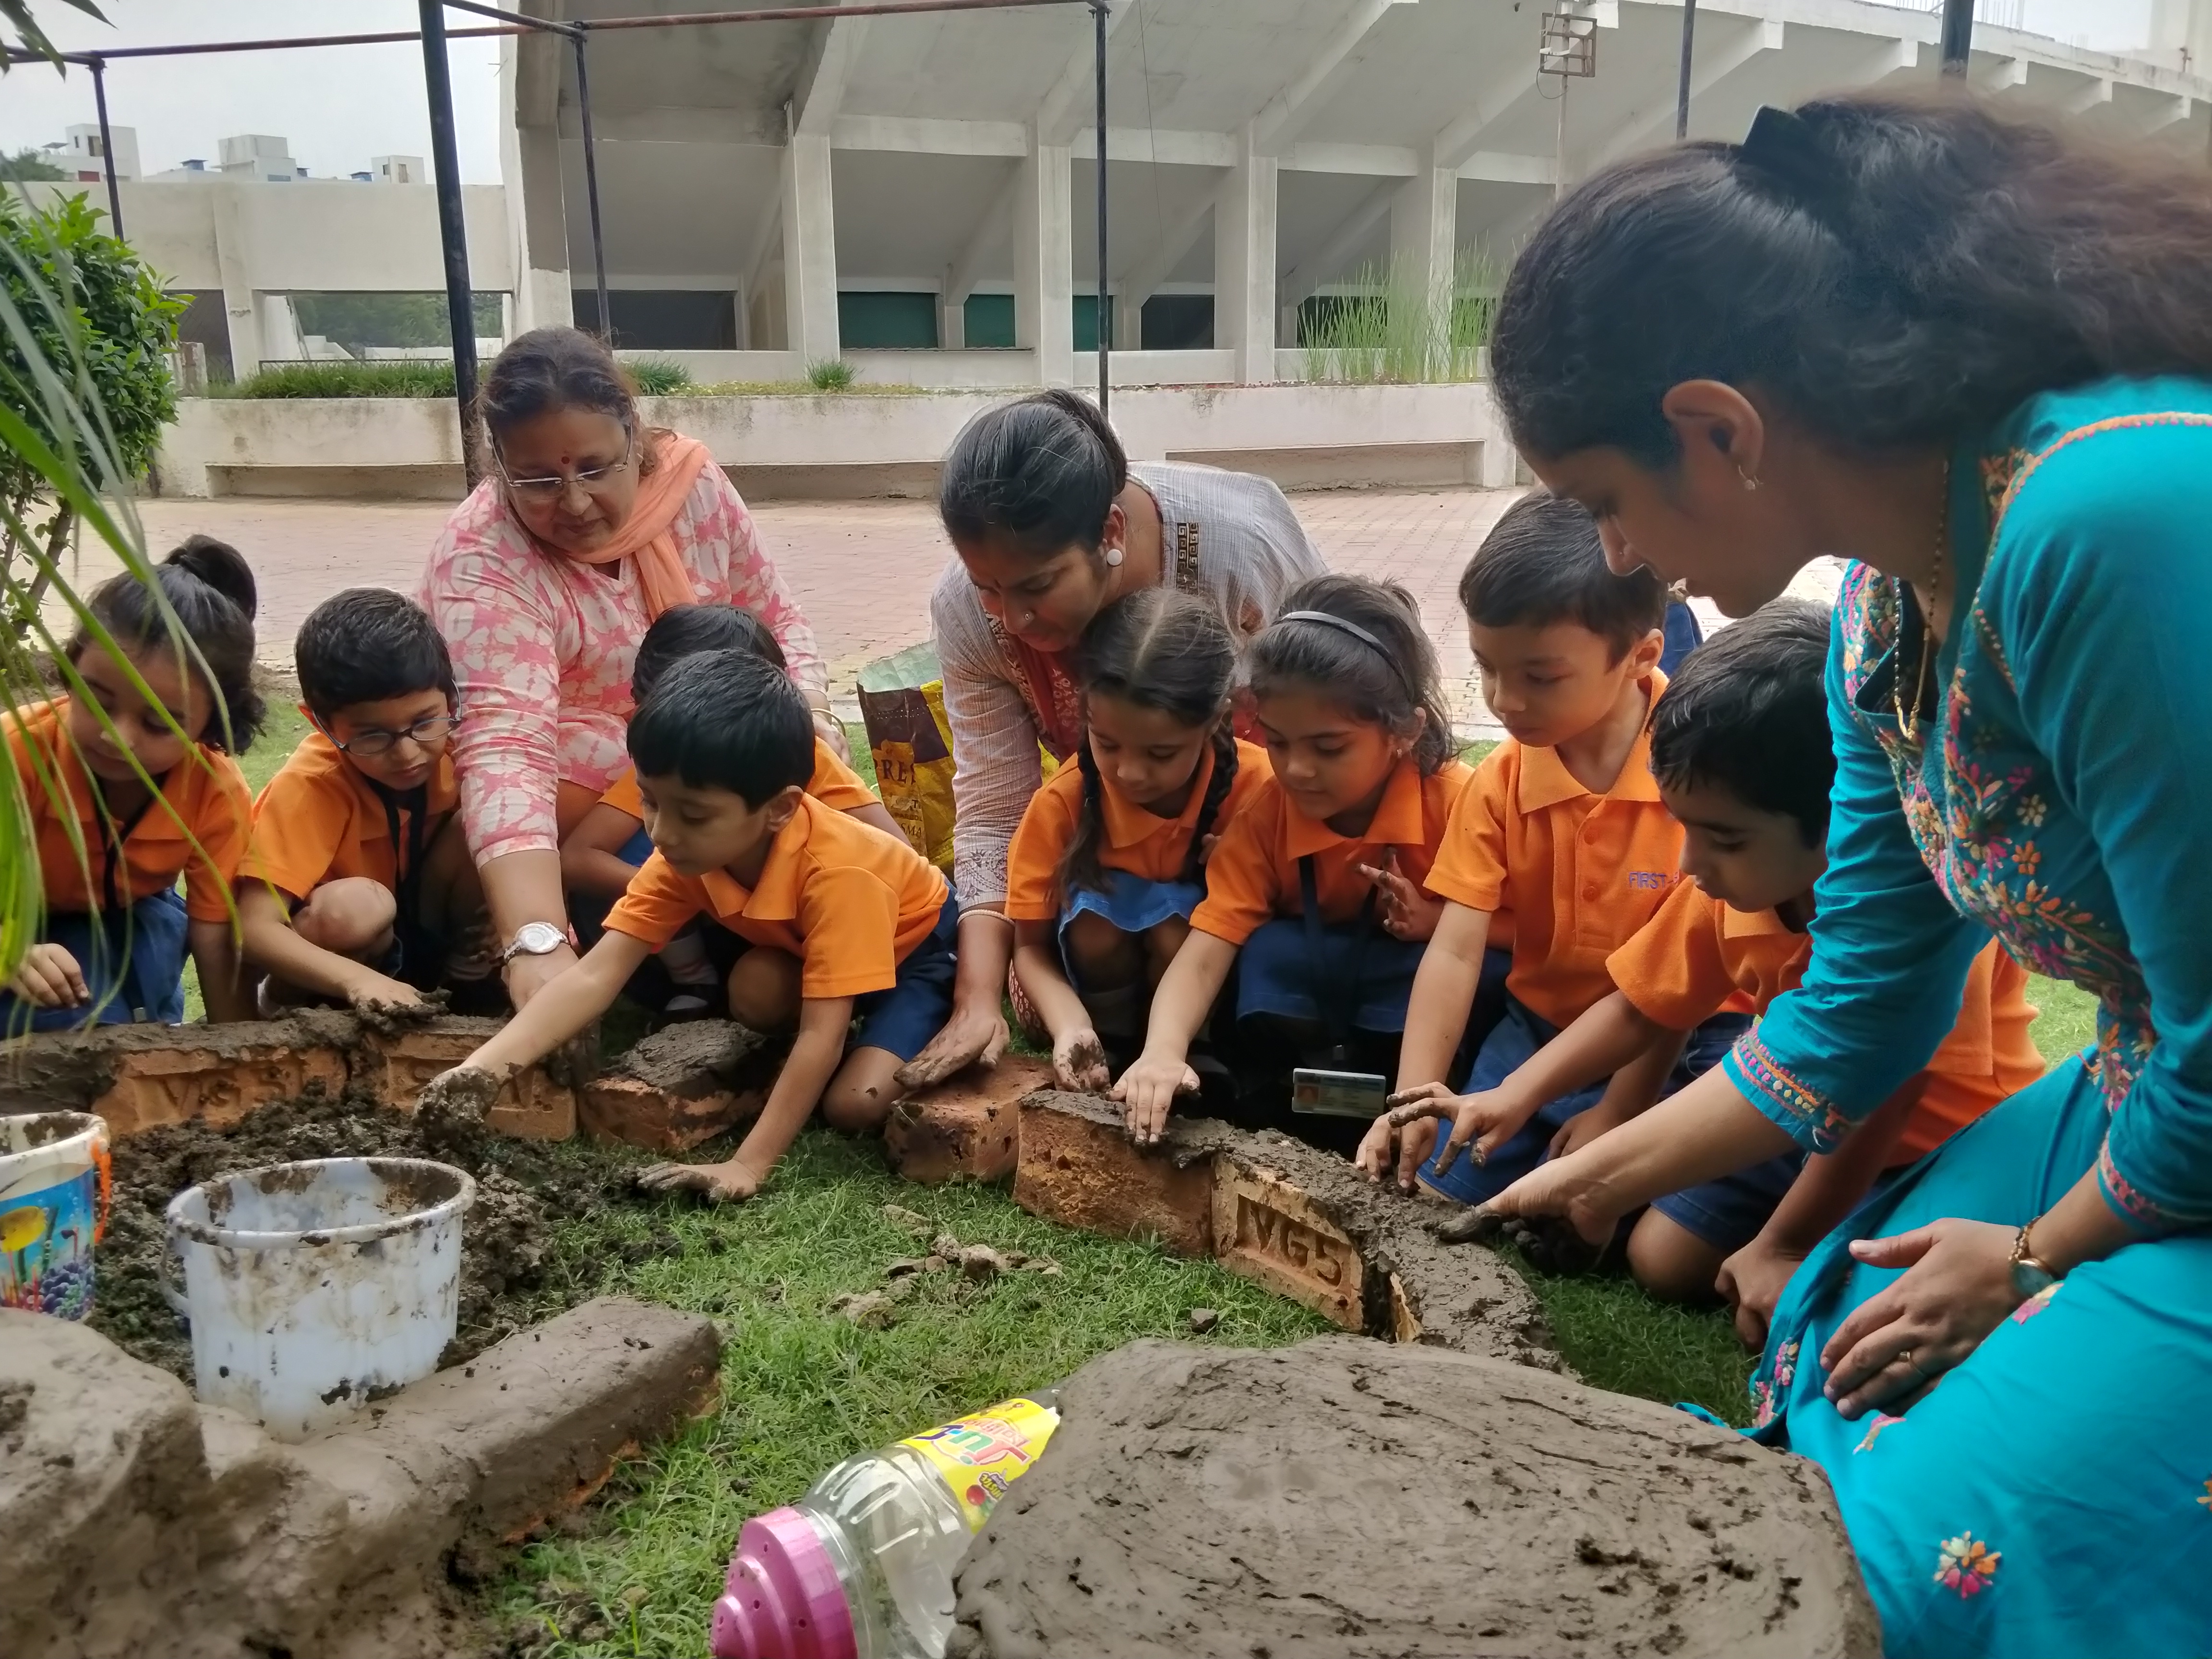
(1740, 749)
(839, 919)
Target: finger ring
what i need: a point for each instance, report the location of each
(1906, 1359)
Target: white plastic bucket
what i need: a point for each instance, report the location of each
(317, 1287)
(55, 1190)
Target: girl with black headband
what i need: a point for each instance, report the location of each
(1316, 882)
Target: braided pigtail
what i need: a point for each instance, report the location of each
(1079, 869)
(1217, 792)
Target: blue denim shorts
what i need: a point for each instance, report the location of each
(133, 963)
(903, 1019)
(1276, 975)
(1131, 903)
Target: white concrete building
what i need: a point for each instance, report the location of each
(81, 157)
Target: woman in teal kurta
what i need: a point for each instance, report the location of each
(1933, 342)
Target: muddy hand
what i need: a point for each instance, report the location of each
(1477, 1225)
(717, 1183)
(465, 1092)
(1148, 1090)
(967, 1039)
(1078, 1063)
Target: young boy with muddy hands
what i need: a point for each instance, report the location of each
(838, 919)
(1561, 825)
(357, 886)
(1740, 748)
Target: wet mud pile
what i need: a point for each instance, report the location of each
(513, 1269)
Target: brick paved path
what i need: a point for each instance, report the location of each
(863, 570)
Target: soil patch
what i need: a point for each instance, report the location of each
(1349, 1498)
(513, 1271)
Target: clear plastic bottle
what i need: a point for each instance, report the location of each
(861, 1567)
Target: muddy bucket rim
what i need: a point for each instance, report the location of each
(84, 1122)
(239, 1238)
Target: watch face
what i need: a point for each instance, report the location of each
(539, 939)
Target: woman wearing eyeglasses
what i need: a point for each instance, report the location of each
(588, 526)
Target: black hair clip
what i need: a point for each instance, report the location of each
(1784, 151)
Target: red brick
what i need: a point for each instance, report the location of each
(1266, 1230)
(1079, 1167)
(394, 1066)
(637, 1114)
(966, 1129)
(214, 1085)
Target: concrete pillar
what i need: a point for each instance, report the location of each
(810, 251)
(1244, 265)
(538, 223)
(1044, 257)
(1424, 230)
(1129, 322)
(234, 265)
(952, 314)
(2183, 26)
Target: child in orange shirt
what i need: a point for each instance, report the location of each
(359, 881)
(837, 918)
(1109, 862)
(610, 843)
(1740, 748)
(112, 947)
(1563, 826)
(1317, 880)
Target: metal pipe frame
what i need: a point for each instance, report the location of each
(446, 165)
(1682, 96)
(106, 149)
(1958, 35)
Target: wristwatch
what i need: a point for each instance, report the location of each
(2030, 1277)
(533, 938)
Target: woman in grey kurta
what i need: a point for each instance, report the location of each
(1052, 524)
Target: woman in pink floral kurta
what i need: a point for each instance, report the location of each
(542, 589)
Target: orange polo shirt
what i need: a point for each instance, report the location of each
(835, 784)
(1581, 872)
(318, 819)
(849, 902)
(204, 791)
(1698, 957)
(1132, 839)
(1253, 876)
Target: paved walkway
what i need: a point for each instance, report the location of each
(863, 570)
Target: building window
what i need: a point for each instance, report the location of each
(987, 320)
(1175, 322)
(886, 322)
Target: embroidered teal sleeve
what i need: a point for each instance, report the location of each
(1889, 963)
(2100, 591)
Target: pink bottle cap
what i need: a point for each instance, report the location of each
(782, 1599)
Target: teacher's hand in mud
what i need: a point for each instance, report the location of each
(1564, 1187)
(1148, 1090)
(1405, 908)
(974, 1036)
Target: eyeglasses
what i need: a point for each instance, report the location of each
(429, 733)
(540, 492)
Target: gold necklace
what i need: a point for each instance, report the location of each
(1928, 645)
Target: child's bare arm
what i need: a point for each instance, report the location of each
(271, 944)
(573, 1000)
(214, 949)
(1632, 1089)
(877, 816)
(588, 863)
(1036, 965)
(1180, 1006)
(1443, 993)
(814, 1054)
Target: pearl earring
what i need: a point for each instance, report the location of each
(1749, 482)
(1114, 557)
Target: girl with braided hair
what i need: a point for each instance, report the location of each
(1108, 865)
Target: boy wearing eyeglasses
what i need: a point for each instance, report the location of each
(357, 877)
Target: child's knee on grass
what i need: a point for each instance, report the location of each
(1103, 956)
(764, 990)
(1671, 1262)
(860, 1096)
(352, 916)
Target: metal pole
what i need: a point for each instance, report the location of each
(1958, 35)
(107, 147)
(1105, 305)
(808, 14)
(1682, 97)
(445, 159)
(591, 187)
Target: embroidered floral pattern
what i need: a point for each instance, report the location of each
(1967, 1564)
(2034, 1305)
(1875, 1425)
(1785, 1365)
(1764, 1073)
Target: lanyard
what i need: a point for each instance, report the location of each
(406, 856)
(1335, 1011)
(111, 840)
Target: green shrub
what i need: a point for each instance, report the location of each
(830, 375)
(395, 379)
(1393, 329)
(656, 377)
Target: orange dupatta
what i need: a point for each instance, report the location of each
(644, 535)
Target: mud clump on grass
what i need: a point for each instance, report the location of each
(514, 1271)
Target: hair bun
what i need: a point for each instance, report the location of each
(220, 566)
